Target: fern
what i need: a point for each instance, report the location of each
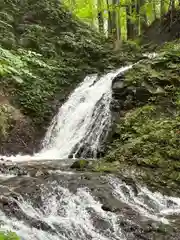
(16, 64)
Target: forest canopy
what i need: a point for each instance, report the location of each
(123, 19)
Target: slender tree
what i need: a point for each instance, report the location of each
(110, 27)
(143, 16)
(124, 19)
(154, 2)
(172, 10)
(100, 16)
(131, 20)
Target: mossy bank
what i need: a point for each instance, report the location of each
(146, 112)
(45, 52)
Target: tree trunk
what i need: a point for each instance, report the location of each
(100, 17)
(114, 17)
(154, 8)
(163, 9)
(162, 12)
(118, 26)
(143, 17)
(109, 20)
(114, 22)
(131, 25)
(138, 18)
(172, 9)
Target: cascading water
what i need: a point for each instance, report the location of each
(64, 205)
(64, 215)
(83, 121)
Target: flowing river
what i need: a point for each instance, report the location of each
(43, 199)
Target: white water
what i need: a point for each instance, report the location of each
(83, 120)
(69, 215)
(73, 216)
(151, 205)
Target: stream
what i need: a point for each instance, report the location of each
(43, 198)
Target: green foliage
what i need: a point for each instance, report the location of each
(106, 167)
(141, 13)
(8, 236)
(22, 70)
(147, 136)
(5, 119)
(143, 136)
(17, 64)
(49, 57)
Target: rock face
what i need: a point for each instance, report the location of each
(127, 96)
(146, 117)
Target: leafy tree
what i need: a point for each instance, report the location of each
(122, 19)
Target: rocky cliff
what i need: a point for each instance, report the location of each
(146, 115)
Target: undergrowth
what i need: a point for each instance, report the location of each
(147, 136)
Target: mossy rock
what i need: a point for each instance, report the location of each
(80, 164)
(147, 134)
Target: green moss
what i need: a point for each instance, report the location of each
(80, 164)
(8, 236)
(148, 136)
(105, 167)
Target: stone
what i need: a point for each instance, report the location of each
(118, 85)
(142, 94)
(80, 164)
(109, 208)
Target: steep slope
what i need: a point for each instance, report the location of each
(45, 52)
(163, 31)
(146, 110)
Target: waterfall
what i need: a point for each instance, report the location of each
(65, 205)
(83, 122)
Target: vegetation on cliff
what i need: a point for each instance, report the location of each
(147, 135)
(44, 53)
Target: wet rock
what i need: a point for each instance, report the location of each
(117, 85)
(108, 208)
(10, 168)
(39, 188)
(80, 164)
(142, 94)
(4, 200)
